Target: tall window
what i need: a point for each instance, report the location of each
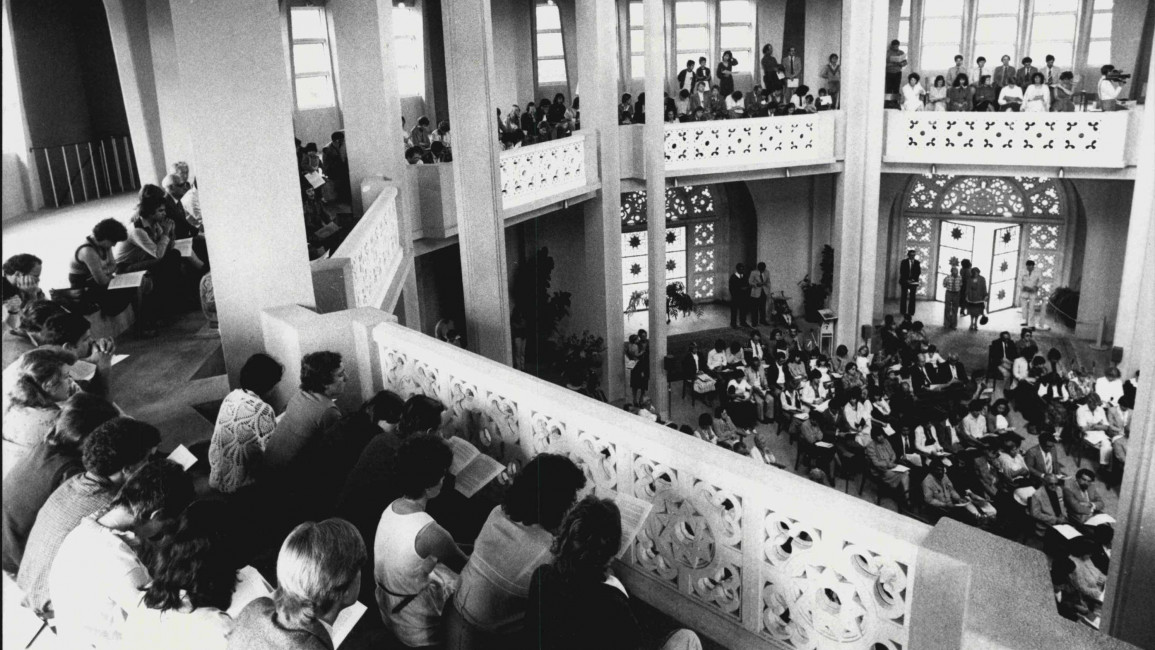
(637, 40)
(550, 50)
(691, 31)
(737, 32)
(409, 48)
(904, 27)
(942, 29)
(1099, 49)
(996, 32)
(1053, 31)
(312, 65)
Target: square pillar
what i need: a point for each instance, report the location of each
(654, 145)
(241, 112)
(856, 188)
(128, 26)
(469, 65)
(598, 62)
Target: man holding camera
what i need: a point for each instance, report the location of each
(1110, 87)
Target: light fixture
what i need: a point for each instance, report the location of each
(787, 172)
(933, 170)
(1060, 172)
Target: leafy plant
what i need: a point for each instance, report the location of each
(543, 310)
(678, 302)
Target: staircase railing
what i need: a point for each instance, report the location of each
(80, 171)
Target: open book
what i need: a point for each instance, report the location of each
(327, 230)
(315, 179)
(184, 247)
(183, 457)
(472, 469)
(1099, 519)
(346, 621)
(634, 514)
(127, 280)
(1066, 531)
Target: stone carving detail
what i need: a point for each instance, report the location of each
(539, 171)
(819, 591)
(375, 253)
(545, 431)
(752, 141)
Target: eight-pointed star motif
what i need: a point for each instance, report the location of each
(635, 269)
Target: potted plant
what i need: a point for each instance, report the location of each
(680, 303)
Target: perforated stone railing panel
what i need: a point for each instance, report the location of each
(373, 250)
(755, 143)
(1011, 139)
(738, 548)
(542, 170)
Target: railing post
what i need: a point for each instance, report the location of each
(80, 169)
(51, 179)
(95, 177)
(128, 159)
(116, 156)
(68, 175)
(104, 159)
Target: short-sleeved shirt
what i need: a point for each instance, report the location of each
(95, 580)
(307, 414)
(75, 499)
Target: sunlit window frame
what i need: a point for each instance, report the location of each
(324, 42)
(537, 31)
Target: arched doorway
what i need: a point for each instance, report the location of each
(997, 222)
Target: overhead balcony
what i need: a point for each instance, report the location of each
(747, 554)
(741, 149)
(1084, 145)
(534, 180)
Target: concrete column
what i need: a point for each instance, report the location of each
(128, 25)
(598, 62)
(1131, 583)
(171, 106)
(856, 205)
(653, 141)
(1138, 255)
(476, 181)
(241, 109)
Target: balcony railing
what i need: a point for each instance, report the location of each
(1098, 140)
(367, 269)
(754, 143)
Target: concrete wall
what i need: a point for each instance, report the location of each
(794, 222)
(823, 38)
(513, 53)
(1107, 205)
(563, 233)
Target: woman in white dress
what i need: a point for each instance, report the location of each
(912, 93)
(417, 563)
(936, 98)
(1037, 97)
(1011, 98)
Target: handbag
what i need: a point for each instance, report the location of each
(704, 383)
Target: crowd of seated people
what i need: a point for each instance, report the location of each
(426, 146)
(285, 521)
(1000, 88)
(541, 122)
(325, 185)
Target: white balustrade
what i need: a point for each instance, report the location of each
(366, 268)
(746, 553)
(541, 171)
(749, 144)
(1092, 139)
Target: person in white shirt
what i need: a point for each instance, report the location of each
(974, 424)
(1110, 87)
(816, 398)
(735, 106)
(759, 389)
(980, 70)
(96, 577)
(954, 72)
(913, 93)
(705, 430)
(1097, 430)
(716, 358)
(1109, 387)
(856, 415)
(1050, 72)
(1011, 98)
(1037, 96)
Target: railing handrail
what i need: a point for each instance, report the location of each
(385, 201)
(530, 149)
(73, 144)
(758, 121)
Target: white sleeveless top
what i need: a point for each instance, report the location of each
(400, 572)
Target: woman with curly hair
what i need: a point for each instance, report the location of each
(23, 272)
(149, 247)
(575, 602)
(193, 579)
(41, 381)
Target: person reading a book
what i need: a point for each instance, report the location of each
(309, 412)
(318, 576)
(149, 247)
(93, 266)
(416, 561)
(575, 602)
(489, 609)
(33, 388)
(194, 575)
(97, 575)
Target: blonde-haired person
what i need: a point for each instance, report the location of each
(318, 575)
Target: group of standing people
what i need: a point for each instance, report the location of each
(966, 291)
(749, 293)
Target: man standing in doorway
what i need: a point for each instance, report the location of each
(909, 272)
(739, 296)
(1029, 294)
(759, 292)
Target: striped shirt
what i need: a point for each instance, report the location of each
(952, 282)
(75, 499)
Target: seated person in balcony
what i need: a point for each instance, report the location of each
(986, 96)
(883, 463)
(1025, 74)
(913, 93)
(1082, 497)
(413, 156)
(174, 191)
(717, 104)
(798, 98)
(1046, 507)
(1037, 96)
(960, 97)
(318, 575)
(735, 106)
(824, 102)
(23, 272)
(489, 609)
(936, 96)
(419, 136)
(1010, 98)
(93, 266)
(808, 105)
(243, 426)
(310, 411)
(940, 495)
(1063, 93)
(687, 80)
(149, 247)
(700, 99)
(1109, 88)
(1097, 429)
(953, 72)
(556, 115)
(441, 153)
(576, 602)
(416, 561)
(682, 104)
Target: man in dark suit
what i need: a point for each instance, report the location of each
(1001, 354)
(909, 272)
(1024, 74)
(1081, 497)
(1004, 74)
(739, 296)
(1041, 460)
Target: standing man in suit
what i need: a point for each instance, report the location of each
(1051, 74)
(759, 290)
(739, 296)
(1023, 77)
(793, 64)
(909, 272)
(1004, 74)
(979, 71)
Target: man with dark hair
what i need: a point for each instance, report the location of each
(110, 453)
(1082, 497)
(25, 335)
(739, 296)
(244, 424)
(1042, 461)
(335, 166)
(96, 577)
(310, 411)
(71, 333)
(909, 273)
(1024, 74)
